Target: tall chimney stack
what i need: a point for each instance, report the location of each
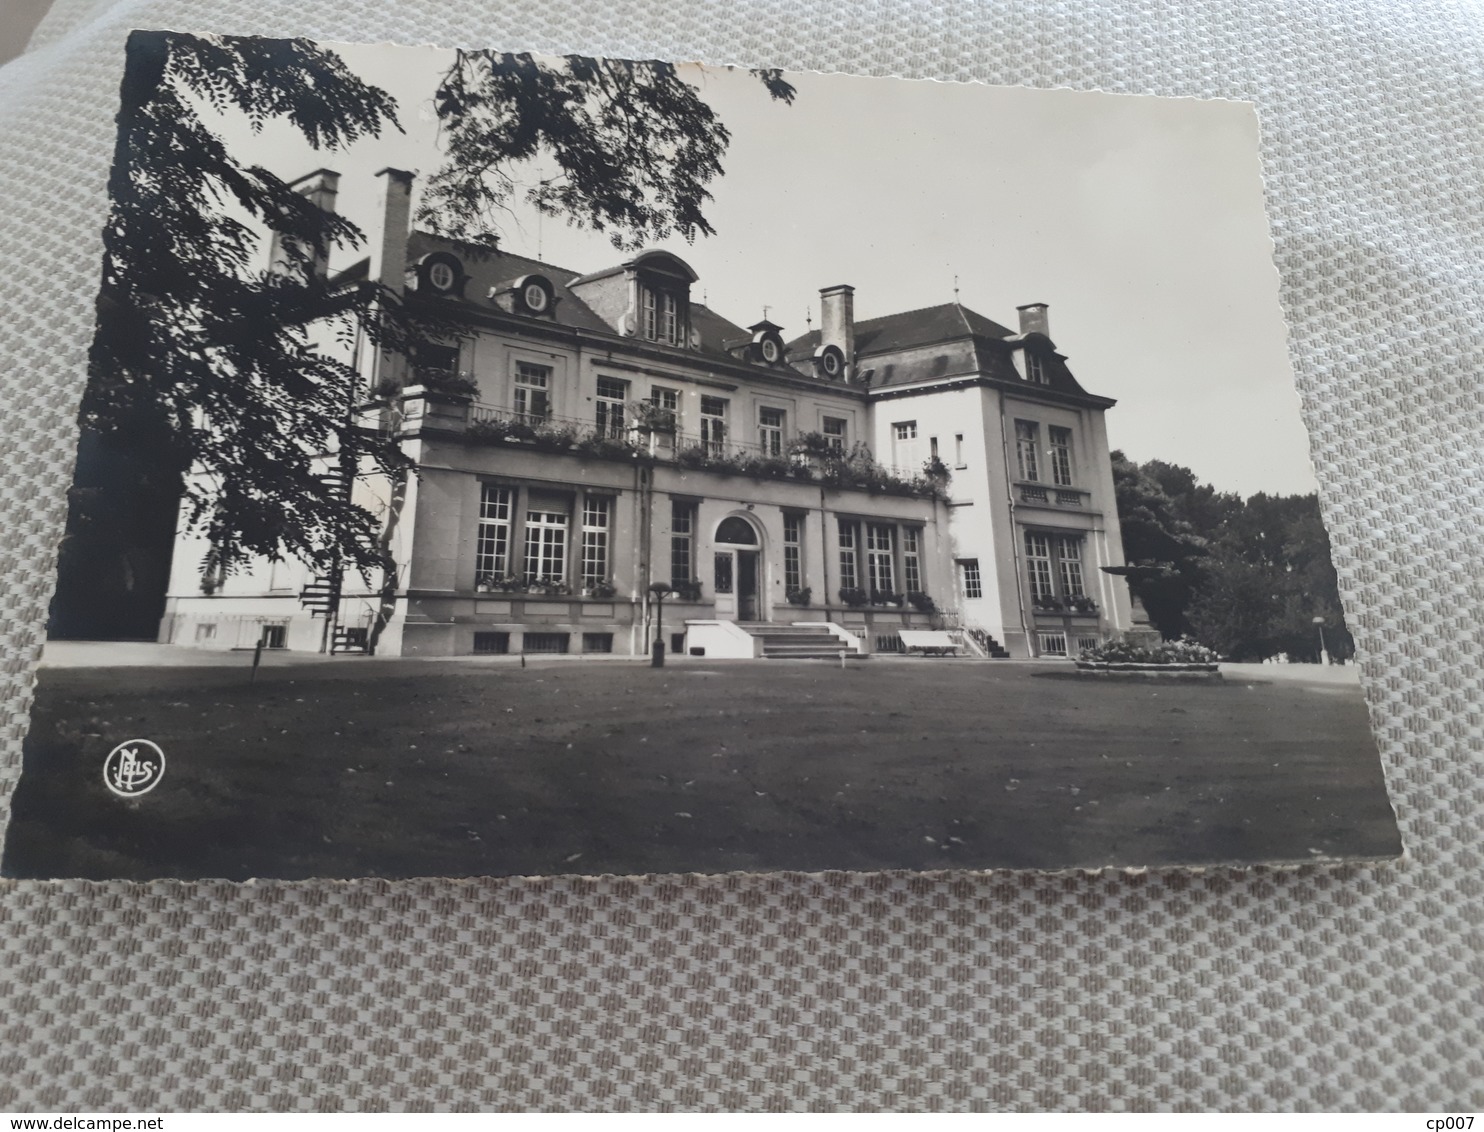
(837, 320)
(389, 246)
(319, 188)
(1033, 319)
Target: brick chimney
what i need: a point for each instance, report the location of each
(319, 188)
(837, 320)
(389, 245)
(1033, 319)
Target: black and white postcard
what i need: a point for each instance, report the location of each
(507, 465)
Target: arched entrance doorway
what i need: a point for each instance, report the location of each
(738, 570)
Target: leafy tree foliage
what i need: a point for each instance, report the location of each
(1162, 549)
(206, 360)
(1246, 577)
(203, 358)
(632, 143)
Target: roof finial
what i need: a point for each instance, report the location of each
(766, 308)
(955, 288)
(809, 317)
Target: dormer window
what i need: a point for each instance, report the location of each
(661, 316)
(1035, 369)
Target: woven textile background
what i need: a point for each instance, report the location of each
(1322, 988)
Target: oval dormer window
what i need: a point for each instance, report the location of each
(831, 362)
(535, 297)
(441, 276)
(771, 351)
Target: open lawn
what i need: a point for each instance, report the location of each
(406, 768)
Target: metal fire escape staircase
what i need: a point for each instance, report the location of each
(321, 596)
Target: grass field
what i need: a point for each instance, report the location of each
(405, 768)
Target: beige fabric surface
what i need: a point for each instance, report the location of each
(1320, 988)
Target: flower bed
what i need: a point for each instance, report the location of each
(1167, 658)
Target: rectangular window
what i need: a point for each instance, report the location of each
(958, 451)
(1069, 550)
(1053, 644)
(486, 644)
(770, 431)
(971, 580)
(275, 636)
(904, 445)
(651, 315)
(722, 576)
(667, 401)
(849, 563)
(596, 510)
(1035, 370)
(879, 540)
(206, 631)
(612, 393)
(912, 559)
(834, 432)
(432, 363)
(546, 547)
(669, 319)
(933, 447)
(532, 391)
(492, 548)
(545, 642)
(682, 549)
(1085, 643)
(1038, 566)
(714, 425)
(1027, 436)
(1060, 445)
(793, 552)
(904, 430)
(597, 642)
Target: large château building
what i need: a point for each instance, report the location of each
(592, 434)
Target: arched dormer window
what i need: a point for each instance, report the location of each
(664, 297)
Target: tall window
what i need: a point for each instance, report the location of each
(1060, 445)
(532, 391)
(661, 312)
(793, 552)
(971, 581)
(612, 393)
(879, 557)
(904, 444)
(492, 548)
(1069, 551)
(714, 425)
(1035, 368)
(1038, 566)
(770, 431)
(682, 544)
(432, 363)
(958, 451)
(546, 546)
(834, 432)
(849, 562)
(1027, 433)
(596, 511)
(667, 401)
(912, 559)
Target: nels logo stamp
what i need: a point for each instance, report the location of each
(133, 768)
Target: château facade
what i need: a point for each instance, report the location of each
(590, 435)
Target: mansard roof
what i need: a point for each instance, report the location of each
(944, 341)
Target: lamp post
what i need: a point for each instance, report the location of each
(1323, 655)
(657, 650)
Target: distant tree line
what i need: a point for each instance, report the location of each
(1246, 577)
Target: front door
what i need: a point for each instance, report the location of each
(736, 582)
(747, 585)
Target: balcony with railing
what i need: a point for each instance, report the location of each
(643, 431)
(1049, 495)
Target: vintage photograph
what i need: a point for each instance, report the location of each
(494, 464)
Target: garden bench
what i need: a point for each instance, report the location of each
(928, 642)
